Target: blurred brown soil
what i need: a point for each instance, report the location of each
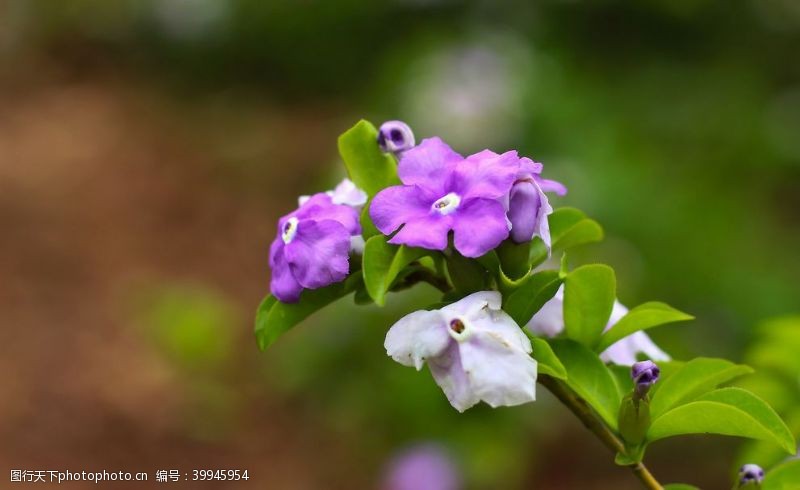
(105, 185)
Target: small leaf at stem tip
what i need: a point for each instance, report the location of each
(589, 294)
(644, 316)
(368, 167)
(274, 318)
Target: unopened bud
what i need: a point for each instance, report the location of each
(395, 137)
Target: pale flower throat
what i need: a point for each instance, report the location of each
(289, 230)
(447, 204)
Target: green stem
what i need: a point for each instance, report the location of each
(585, 414)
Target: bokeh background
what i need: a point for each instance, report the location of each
(147, 148)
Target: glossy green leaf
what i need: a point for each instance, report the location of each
(466, 275)
(368, 167)
(569, 227)
(368, 229)
(514, 258)
(589, 378)
(589, 294)
(726, 411)
(680, 486)
(785, 476)
(692, 380)
(382, 262)
(644, 316)
(548, 362)
(528, 297)
(274, 318)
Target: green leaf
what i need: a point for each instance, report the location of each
(644, 316)
(783, 477)
(514, 258)
(466, 275)
(527, 298)
(569, 227)
(369, 168)
(548, 362)
(589, 378)
(368, 229)
(382, 262)
(680, 486)
(726, 411)
(274, 318)
(589, 294)
(692, 380)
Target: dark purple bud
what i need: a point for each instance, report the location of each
(395, 137)
(750, 473)
(645, 374)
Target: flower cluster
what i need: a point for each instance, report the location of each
(456, 205)
(443, 192)
(313, 243)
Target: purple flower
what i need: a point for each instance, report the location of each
(474, 350)
(750, 473)
(644, 374)
(527, 204)
(423, 467)
(445, 192)
(312, 247)
(549, 322)
(395, 137)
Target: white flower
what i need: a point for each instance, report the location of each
(549, 322)
(345, 193)
(474, 350)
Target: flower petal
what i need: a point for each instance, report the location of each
(472, 304)
(282, 284)
(551, 186)
(625, 350)
(399, 204)
(349, 194)
(417, 337)
(320, 207)
(499, 374)
(318, 254)
(485, 174)
(479, 225)
(428, 164)
(549, 320)
(449, 374)
(428, 232)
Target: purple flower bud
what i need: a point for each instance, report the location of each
(395, 137)
(645, 374)
(750, 473)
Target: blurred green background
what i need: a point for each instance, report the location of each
(147, 148)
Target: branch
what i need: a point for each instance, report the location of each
(594, 424)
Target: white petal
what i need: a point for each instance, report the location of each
(450, 376)
(417, 337)
(498, 374)
(357, 244)
(347, 193)
(473, 303)
(624, 351)
(549, 320)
